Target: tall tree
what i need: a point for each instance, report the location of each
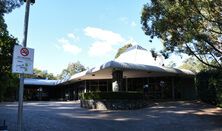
(41, 74)
(122, 49)
(8, 81)
(7, 6)
(72, 69)
(193, 65)
(188, 26)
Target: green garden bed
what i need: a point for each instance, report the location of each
(112, 95)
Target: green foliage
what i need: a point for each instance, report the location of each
(112, 95)
(72, 69)
(171, 64)
(209, 85)
(193, 65)
(122, 49)
(154, 53)
(6, 6)
(193, 27)
(39, 74)
(8, 84)
(8, 81)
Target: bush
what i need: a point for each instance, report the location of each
(112, 95)
(209, 85)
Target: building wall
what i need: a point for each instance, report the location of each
(183, 88)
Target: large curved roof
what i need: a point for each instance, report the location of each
(135, 62)
(130, 70)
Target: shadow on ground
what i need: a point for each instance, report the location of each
(68, 116)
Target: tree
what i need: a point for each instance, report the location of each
(122, 49)
(40, 74)
(193, 65)
(193, 27)
(7, 6)
(171, 64)
(8, 81)
(6, 48)
(154, 53)
(72, 69)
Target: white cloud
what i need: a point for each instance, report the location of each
(103, 35)
(99, 49)
(133, 23)
(104, 40)
(73, 36)
(68, 47)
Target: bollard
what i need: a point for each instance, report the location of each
(4, 127)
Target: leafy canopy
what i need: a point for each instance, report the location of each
(193, 27)
(122, 49)
(8, 81)
(41, 74)
(193, 65)
(7, 6)
(72, 69)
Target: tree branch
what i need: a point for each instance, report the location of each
(198, 11)
(204, 38)
(216, 60)
(201, 59)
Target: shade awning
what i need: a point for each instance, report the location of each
(43, 82)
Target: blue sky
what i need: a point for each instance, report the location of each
(91, 32)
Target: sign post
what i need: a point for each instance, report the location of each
(23, 64)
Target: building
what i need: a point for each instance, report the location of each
(133, 70)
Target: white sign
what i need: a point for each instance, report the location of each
(22, 60)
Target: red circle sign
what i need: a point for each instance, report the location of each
(24, 52)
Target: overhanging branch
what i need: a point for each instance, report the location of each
(201, 59)
(209, 42)
(216, 60)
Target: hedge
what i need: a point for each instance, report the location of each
(209, 85)
(112, 95)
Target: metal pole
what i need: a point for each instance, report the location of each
(21, 85)
(20, 104)
(26, 22)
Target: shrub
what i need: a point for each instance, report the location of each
(209, 85)
(112, 95)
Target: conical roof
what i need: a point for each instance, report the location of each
(138, 55)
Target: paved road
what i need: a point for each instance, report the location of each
(68, 116)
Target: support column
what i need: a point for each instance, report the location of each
(195, 85)
(85, 87)
(98, 89)
(173, 88)
(126, 84)
(107, 86)
(117, 80)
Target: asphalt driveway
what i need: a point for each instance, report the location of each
(68, 116)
